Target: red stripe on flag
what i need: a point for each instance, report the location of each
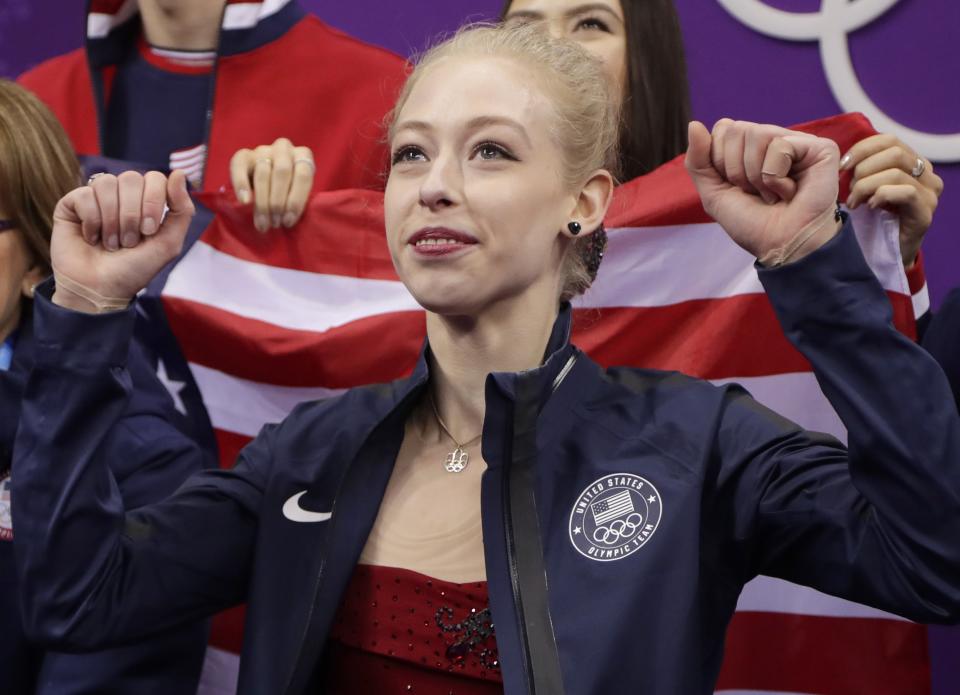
(827, 656)
(349, 241)
(226, 629)
(372, 350)
(229, 445)
(736, 336)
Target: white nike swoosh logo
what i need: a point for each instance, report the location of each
(293, 511)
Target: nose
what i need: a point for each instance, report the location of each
(441, 186)
(555, 28)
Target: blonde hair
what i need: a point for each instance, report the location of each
(37, 166)
(587, 115)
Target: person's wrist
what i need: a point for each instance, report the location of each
(816, 240)
(76, 296)
(74, 302)
(813, 235)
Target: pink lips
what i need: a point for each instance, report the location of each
(440, 241)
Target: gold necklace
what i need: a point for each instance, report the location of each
(456, 461)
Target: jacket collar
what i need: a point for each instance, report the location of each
(113, 27)
(555, 363)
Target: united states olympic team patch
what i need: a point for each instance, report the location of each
(614, 517)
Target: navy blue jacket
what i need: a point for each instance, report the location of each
(148, 461)
(623, 510)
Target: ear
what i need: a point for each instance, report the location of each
(33, 277)
(592, 202)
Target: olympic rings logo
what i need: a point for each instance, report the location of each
(830, 26)
(620, 531)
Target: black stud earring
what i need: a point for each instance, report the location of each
(574, 228)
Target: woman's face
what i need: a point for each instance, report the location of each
(475, 201)
(17, 276)
(597, 26)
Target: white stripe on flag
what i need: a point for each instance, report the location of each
(293, 299)
(99, 24)
(921, 301)
(220, 674)
(243, 15)
(659, 266)
(796, 396)
(770, 595)
(242, 406)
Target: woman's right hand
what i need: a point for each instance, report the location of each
(111, 237)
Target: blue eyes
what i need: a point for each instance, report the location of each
(408, 154)
(486, 151)
(491, 150)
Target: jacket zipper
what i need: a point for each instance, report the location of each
(512, 555)
(515, 583)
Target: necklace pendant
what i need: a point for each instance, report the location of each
(456, 461)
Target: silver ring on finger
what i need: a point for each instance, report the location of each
(919, 168)
(94, 177)
(266, 160)
(308, 162)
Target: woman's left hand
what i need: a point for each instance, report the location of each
(773, 190)
(884, 176)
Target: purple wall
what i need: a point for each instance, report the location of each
(906, 60)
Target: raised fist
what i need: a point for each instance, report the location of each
(773, 190)
(110, 237)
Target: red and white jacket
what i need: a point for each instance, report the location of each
(279, 72)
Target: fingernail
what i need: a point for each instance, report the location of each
(261, 222)
(130, 240)
(148, 227)
(767, 198)
(112, 243)
(275, 220)
(244, 197)
(849, 201)
(844, 161)
(289, 220)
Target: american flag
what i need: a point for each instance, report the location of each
(612, 507)
(267, 321)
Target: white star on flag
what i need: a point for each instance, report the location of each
(172, 386)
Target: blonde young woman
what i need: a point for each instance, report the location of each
(512, 517)
(148, 457)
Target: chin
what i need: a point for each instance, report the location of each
(455, 302)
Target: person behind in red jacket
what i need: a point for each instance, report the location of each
(184, 84)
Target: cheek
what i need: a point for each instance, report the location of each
(394, 207)
(615, 66)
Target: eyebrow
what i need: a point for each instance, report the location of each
(572, 12)
(472, 124)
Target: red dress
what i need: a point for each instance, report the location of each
(399, 631)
